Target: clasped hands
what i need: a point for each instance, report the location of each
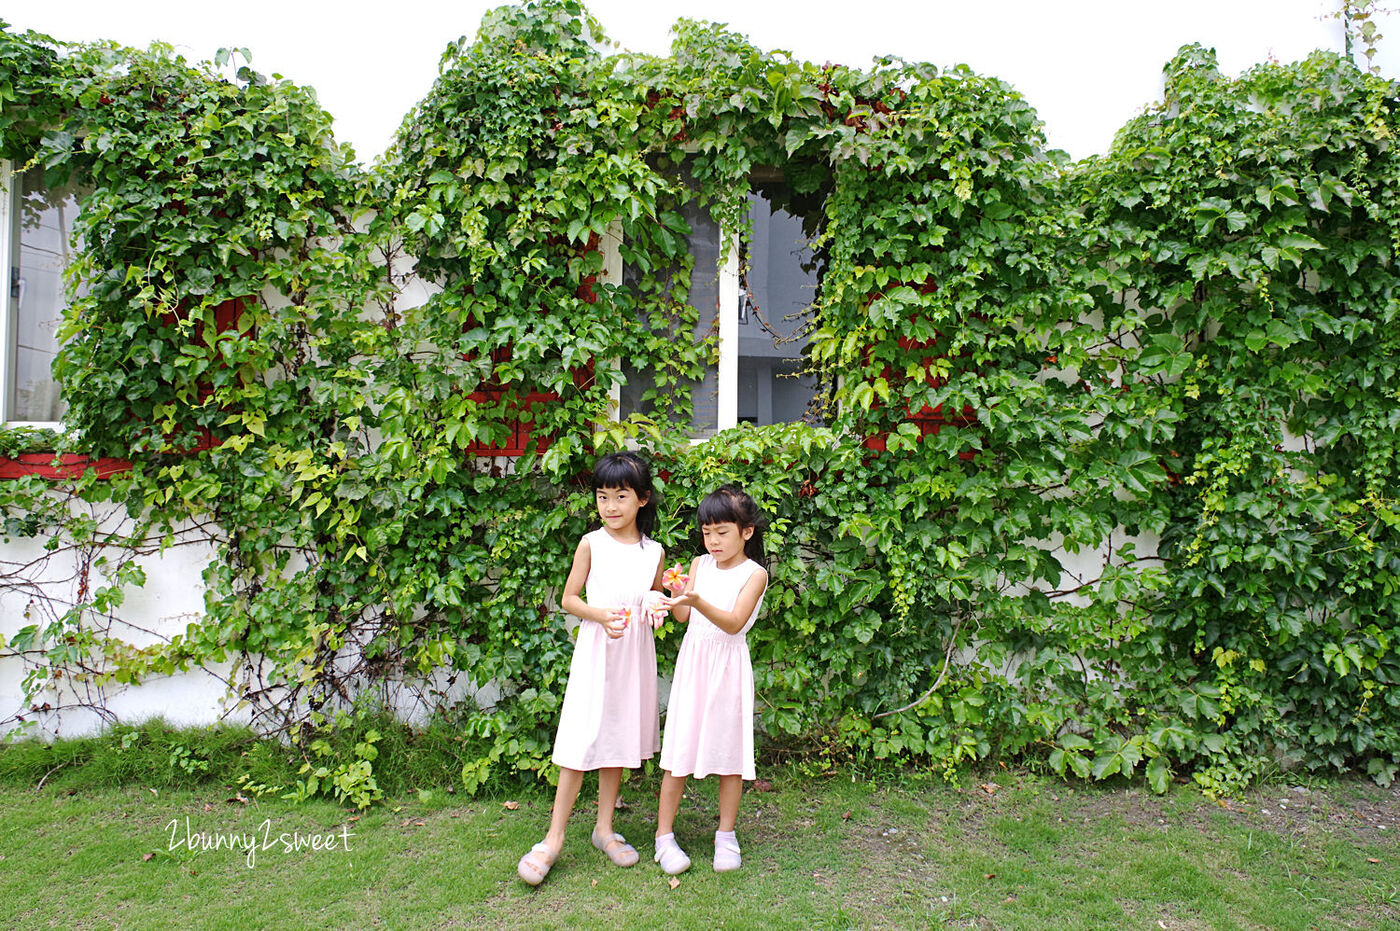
(654, 605)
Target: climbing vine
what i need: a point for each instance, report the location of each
(1102, 472)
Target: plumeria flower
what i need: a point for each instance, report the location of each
(675, 578)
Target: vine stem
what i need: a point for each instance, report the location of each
(40, 786)
(942, 674)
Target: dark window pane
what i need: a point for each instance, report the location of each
(779, 274)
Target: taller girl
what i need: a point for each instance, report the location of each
(609, 719)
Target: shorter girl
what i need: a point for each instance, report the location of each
(709, 719)
(609, 719)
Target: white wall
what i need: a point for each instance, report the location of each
(37, 586)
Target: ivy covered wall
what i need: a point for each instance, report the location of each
(1027, 366)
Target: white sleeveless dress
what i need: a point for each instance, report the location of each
(709, 717)
(609, 717)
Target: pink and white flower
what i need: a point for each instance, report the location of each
(675, 578)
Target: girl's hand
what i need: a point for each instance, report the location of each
(686, 599)
(616, 624)
(654, 608)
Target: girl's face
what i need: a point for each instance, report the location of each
(618, 507)
(725, 541)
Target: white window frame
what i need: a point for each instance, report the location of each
(727, 400)
(612, 274)
(8, 325)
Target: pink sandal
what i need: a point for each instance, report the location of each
(535, 865)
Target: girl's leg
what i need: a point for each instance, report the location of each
(668, 853)
(672, 788)
(536, 863)
(609, 784)
(604, 838)
(727, 855)
(731, 788)
(570, 780)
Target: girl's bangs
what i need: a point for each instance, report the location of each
(618, 472)
(719, 508)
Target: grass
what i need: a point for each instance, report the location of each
(156, 754)
(832, 852)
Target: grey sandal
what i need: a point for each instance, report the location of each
(617, 849)
(535, 865)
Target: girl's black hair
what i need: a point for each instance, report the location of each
(628, 470)
(730, 504)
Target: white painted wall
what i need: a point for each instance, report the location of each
(37, 586)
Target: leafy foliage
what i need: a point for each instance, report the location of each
(1108, 478)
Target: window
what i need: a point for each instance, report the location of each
(517, 407)
(706, 287)
(778, 279)
(36, 225)
(757, 300)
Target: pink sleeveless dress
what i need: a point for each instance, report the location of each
(709, 717)
(609, 717)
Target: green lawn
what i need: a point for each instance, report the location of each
(818, 853)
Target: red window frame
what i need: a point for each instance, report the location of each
(522, 431)
(59, 466)
(66, 466)
(929, 420)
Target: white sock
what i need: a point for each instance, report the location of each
(726, 852)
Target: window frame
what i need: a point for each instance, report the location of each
(55, 467)
(727, 374)
(727, 367)
(9, 325)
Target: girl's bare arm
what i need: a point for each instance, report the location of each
(573, 590)
(733, 621)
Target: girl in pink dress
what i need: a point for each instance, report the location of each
(609, 718)
(709, 718)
